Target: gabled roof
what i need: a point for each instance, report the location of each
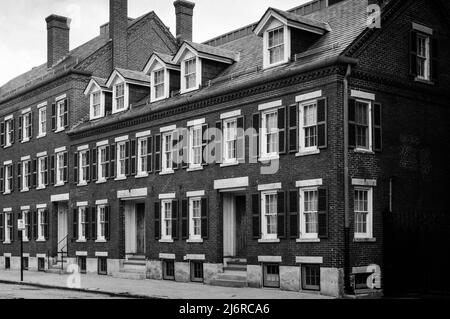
(207, 52)
(129, 76)
(293, 20)
(96, 81)
(164, 59)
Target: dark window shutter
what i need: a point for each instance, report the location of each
(157, 161)
(11, 224)
(323, 213)
(256, 216)
(175, 232)
(108, 163)
(13, 131)
(157, 212)
(219, 140)
(240, 140)
(293, 214)
(184, 151)
(93, 222)
(184, 219)
(434, 58)
(46, 225)
(88, 168)
(2, 134)
(87, 224)
(133, 159)
(281, 216)
(53, 116)
(377, 128)
(351, 123)
(46, 175)
(107, 222)
(282, 130)
(205, 142)
(150, 154)
(127, 158)
(20, 128)
(66, 166)
(175, 150)
(205, 221)
(35, 225)
(30, 122)
(94, 170)
(256, 127)
(293, 128)
(30, 226)
(413, 53)
(112, 161)
(34, 173)
(52, 170)
(2, 235)
(2, 179)
(19, 175)
(66, 113)
(322, 132)
(75, 224)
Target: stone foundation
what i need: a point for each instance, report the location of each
(210, 271)
(182, 272)
(154, 270)
(254, 276)
(290, 278)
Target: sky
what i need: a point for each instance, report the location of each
(23, 34)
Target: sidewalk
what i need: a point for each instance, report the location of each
(158, 289)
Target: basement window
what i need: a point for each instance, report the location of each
(82, 264)
(271, 275)
(168, 269)
(41, 264)
(102, 266)
(25, 263)
(196, 271)
(311, 277)
(7, 263)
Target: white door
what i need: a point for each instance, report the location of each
(130, 228)
(62, 227)
(229, 225)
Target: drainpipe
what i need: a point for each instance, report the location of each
(347, 283)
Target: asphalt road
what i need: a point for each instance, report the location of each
(30, 292)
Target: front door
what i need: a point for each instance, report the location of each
(62, 209)
(234, 225)
(140, 229)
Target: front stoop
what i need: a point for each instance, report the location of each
(58, 266)
(135, 267)
(234, 275)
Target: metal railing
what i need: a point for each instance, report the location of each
(63, 251)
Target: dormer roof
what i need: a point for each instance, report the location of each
(129, 76)
(164, 59)
(206, 52)
(292, 20)
(96, 82)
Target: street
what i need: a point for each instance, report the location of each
(12, 291)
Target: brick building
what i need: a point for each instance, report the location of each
(301, 151)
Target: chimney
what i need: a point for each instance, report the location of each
(184, 11)
(58, 29)
(118, 32)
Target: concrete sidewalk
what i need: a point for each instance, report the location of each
(150, 288)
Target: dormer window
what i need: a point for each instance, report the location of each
(96, 104)
(190, 73)
(159, 87)
(119, 94)
(276, 45)
(164, 76)
(99, 98)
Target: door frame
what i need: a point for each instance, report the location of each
(62, 211)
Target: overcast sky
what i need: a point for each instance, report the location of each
(23, 32)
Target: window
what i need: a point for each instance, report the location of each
(361, 280)
(309, 208)
(84, 167)
(269, 212)
(102, 266)
(82, 264)
(196, 271)
(42, 172)
(121, 160)
(26, 176)
(42, 112)
(142, 157)
(119, 91)
(276, 46)
(311, 277)
(96, 104)
(195, 213)
(61, 115)
(269, 141)
(196, 149)
(61, 168)
(230, 145)
(8, 227)
(82, 223)
(159, 87)
(27, 123)
(9, 132)
(363, 212)
(168, 269)
(26, 219)
(102, 164)
(423, 56)
(271, 275)
(42, 225)
(25, 263)
(166, 220)
(101, 223)
(41, 264)
(8, 179)
(7, 263)
(308, 124)
(190, 73)
(362, 120)
(167, 162)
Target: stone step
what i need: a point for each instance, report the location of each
(129, 275)
(136, 257)
(230, 276)
(229, 283)
(135, 262)
(57, 271)
(134, 269)
(235, 267)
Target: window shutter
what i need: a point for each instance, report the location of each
(434, 58)
(184, 152)
(35, 225)
(66, 113)
(150, 154)
(184, 219)
(413, 53)
(108, 164)
(46, 225)
(127, 158)
(87, 224)
(322, 131)
(281, 216)
(30, 122)
(2, 234)
(94, 170)
(351, 123)
(293, 214)
(66, 166)
(175, 150)
(323, 213)
(157, 161)
(219, 140)
(11, 224)
(75, 168)
(52, 170)
(53, 116)
(34, 173)
(256, 216)
(88, 168)
(30, 224)
(293, 128)
(30, 174)
(204, 225)
(75, 224)
(133, 161)
(282, 130)
(2, 179)
(20, 128)
(107, 222)
(175, 232)
(204, 144)
(377, 128)
(11, 178)
(112, 161)
(2, 134)
(240, 140)
(157, 212)
(256, 128)
(19, 175)
(13, 131)
(94, 222)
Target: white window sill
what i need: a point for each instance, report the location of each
(235, 163)
(40, 240)
(365, 240)
(158, 99)
(81, 241)
(40, 188)
(193, 241)
(119, 111)
(274, 65)
(122, 178)
(59, 184)
(193, 169)
(168, 172)
(363, 151)
(189, 90)
(25, 190)
(7, 146)
(6, 243)
(308, 240)
(25, 240)
(170, 241)
(25, 141)
(306, 153)
(424, 81)
(7, 193)
(268, 158)
(141, 175)
(101, 241)
(101, 181)
(82, 184)
(60, 130)
(41, 136)
(267, 241)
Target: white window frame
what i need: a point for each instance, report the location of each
(167, 153)
(41, 235)
(26, 220)
(82, 211)
(40, 171)
(8, 179)
(101, 222)
(59, 159)
(264, 133)
(7, 239)
(287, 47)
(165, 85)
(302, 135)
(303, 233)
(125, 97)
(369, 223)
(192, 147)
(42, 118)
(198, 73)
(265, 235)
(60, 115)
(101, 104)
(101, 178)
(141, 168)
(226, 158)
(83, 167)
(120, 160)
(192, 235)
(370, 126)
(426, 57)
(26, 127)
(164, 219)
(8, 132)
(25, 187)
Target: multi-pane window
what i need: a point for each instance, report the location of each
(26, 219)
(61, 110)
(190, 73)
(102, 164)
(121, 160)
(96, 104)
(167, 162)
(82, 223)
(166, 219)
(269, 211)
(42, 172)
(82, 264)
(308, 122)
(142, 156)
(60, 168)
(230, 145)
(102, 266)
(363, 212)
(8, 227)
(26, 124)
(101, 222)
(42, 121)
(309, 213)
(84, 167)
(168, 270)
(120, 96)
(271, 276)
(311, 277)
(9, 132)
(196, 140)
(42, 222)
(159, 87)
(423, 56)
(276, 45)
(196, 271)
(26, 175)
(362, 123)
(8, 179)
(196, 218)
(270, 133)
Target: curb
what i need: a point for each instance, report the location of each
(98, 292)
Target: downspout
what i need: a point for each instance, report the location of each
(347, 281)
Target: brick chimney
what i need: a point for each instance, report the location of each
(58, 30)
(118, 32)
(184, 11)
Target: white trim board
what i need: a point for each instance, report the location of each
(363, 95)
(309, 183)
(270, 105)
(364, 182)
(231, 183)
(308, 96)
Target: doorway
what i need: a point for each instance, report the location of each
(234, 226)
(62, 209)
(134, 228)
